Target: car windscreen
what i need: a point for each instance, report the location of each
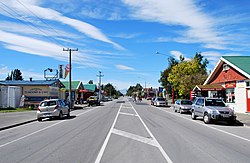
(214, 102)
(48, 103)
(160, 99)
(186, 102)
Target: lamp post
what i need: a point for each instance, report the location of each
(157, 52)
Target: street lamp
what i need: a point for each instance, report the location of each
(157, 52)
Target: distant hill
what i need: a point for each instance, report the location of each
(123, 91)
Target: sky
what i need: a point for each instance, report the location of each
(120, 38)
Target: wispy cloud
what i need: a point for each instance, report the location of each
(49, 14)
(198, 26)
(4, 70)
(46, 49)
(123, 67)
(177, 54)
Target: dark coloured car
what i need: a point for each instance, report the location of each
(93, 100)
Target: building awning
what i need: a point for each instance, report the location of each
(212, 87)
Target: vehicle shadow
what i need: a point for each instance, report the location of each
(57, 119)
(224, 123)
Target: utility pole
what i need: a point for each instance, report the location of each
(70, 68)
(100, 76)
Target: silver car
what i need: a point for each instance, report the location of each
(181, 106)
(159, 101)
(212, 109)
(52, 108)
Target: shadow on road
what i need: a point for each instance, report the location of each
(57, 119)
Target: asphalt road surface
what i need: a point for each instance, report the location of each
(122, 131)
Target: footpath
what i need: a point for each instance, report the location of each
(9, 120)
(13, 119)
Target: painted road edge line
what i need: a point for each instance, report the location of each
(237, 136)
(23, 137)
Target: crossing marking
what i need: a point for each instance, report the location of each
(123, 113)
(149, 141)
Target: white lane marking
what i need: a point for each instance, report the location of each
(13, 141)
(151, 135)
(100, 154)
(207, 126)
(135, 137)
(128, 114)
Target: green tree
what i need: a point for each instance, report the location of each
(110, 90)
(15, 75)
(134, 89)
(91, 82)
(164, 75)
(185, 75)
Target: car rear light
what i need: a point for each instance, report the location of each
(57, 107)
(38, 109)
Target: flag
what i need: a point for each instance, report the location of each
(67, 68)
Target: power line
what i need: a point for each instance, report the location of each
(37, 17)
(30, 25)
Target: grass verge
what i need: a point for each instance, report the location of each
(6, 110)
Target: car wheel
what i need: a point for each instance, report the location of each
(60, 115)
(193, 116)
(175, 110)
(206, 118)
(39, 119)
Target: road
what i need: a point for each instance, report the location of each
(124, 131)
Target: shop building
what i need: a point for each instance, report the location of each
(231, 78)
(76, 90)
(34, 91)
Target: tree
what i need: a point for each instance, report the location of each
(185, 75)
(15, 75)
(134, 89)
(110, 90)
(91, 82)
(164, 75)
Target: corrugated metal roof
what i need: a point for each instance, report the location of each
(242, 62)
(74, 84)
(28, 82)
(90, 87)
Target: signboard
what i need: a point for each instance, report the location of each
(241, 84)
(36, 91)
(230, 84)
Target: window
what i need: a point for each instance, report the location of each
(230, 96)
(200, 102)
(187, 102)
(214, 102)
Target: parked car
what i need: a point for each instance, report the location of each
(152, 100)
(181, 106)
(93, 100)
(52, 108)
(160, 101)
(212, 109)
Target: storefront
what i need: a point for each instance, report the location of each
(34, 91)
(213, 90)
(76, 87)
(233, 74)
